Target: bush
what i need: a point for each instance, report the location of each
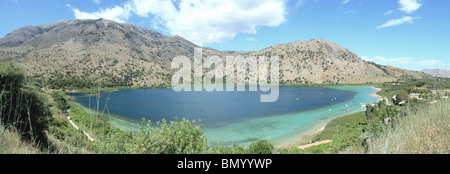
(260, 147)
(60, 101)
(377, 116)
(178, 137)
(344, 131)
(11, 76)
(227, 150)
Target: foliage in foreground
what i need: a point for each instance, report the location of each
(182, 137)
(425, 130)
(176, 137)
(11, 142)
(259, 147)
(22, 109)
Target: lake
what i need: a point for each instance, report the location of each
(238, 117)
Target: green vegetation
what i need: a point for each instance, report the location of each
(414, 86)
(22, 109)
(61, 102)
(69, 83)
(319, 149)
(345, 131)
(259, 147)
(91, 91)
(379, 115)
(379, 67)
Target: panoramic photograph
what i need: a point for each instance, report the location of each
(225, 77)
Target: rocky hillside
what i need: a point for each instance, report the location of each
(126, 54)
(319, 61)
(437, 72)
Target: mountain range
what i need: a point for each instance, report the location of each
(118, 52)
(437, 72)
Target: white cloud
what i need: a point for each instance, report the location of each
(212, 21)
(299, 3)
(345, 1)
(162, 8)
(406, 62)
(409, 6)
(117, 14)
(388, 13)
(395, 22)
(251, 39)
(96, 1)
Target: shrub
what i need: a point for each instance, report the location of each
(344, 131)
(260, 147)
(60, 101)
(11, 76)
(178, 137)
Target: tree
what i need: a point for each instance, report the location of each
(60, 100)
(260, 147)
(11, 76)
(420, 84)
(400, 96)
(377, 114)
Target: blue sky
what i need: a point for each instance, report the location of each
(410, 34)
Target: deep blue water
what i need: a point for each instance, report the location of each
(213, 108)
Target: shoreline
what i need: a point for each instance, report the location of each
(302, 140)
(300, 135)
(322, 125)
(114, 120)
(88, 91)
(375, 93)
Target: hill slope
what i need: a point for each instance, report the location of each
(128, 54)
(437, 72)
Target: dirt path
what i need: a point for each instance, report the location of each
(77, 128)
(313, 144)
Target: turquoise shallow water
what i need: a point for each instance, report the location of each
(284, 129)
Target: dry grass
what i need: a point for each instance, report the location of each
(426, 131)
(11, 143)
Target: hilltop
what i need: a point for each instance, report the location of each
(122, 54)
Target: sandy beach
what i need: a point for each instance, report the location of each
(375, 93)
(302, 140)
(306, 137)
